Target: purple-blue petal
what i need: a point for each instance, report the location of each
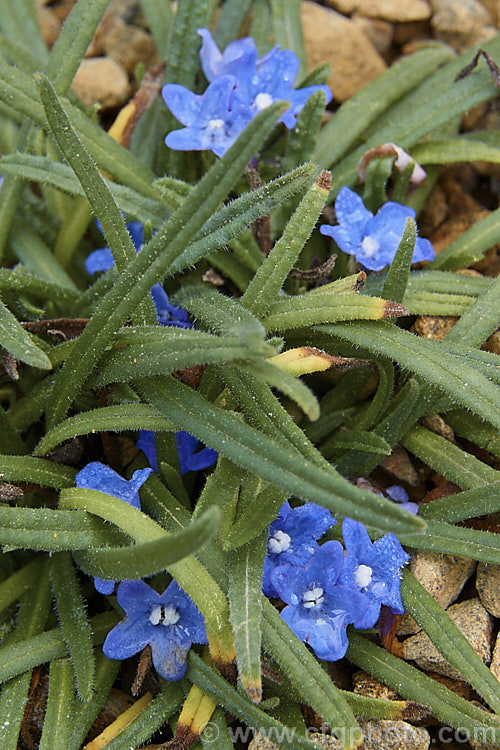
(189, 458)
(127, 638)
(184, 105)
(214, 63)
(423, 250)
(147, 444)
(169, 658)
(99, 260)
(103, 586)
(98, 476)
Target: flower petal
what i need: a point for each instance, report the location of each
(125, 639)
(99, 260)
(169, 658)
(184, 105)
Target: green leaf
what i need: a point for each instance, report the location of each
(148, 558)
(427, 359)
(480, 320)
(399, 272)
(53, 530)
(151, 719)
(358, 440)
(313, 683)
(20, 281)
(448, 459)
(355, 115)
(291, 386)
(245, 606)
(150, 265)
(24, 655)
(38, 258)
(456, 540)
(46, 171)
(16, 585)
(36, 470)
(305, 310)
(229, 21)
(107, 419)
(159, 18)
(454, 150)
(271, 275)
(18, 342)
(302, 139)
(449, 640)
(448, 707)
(287, 27)
(272, 462)
(471, 245)
(73, 622)
(58, 720)
(211, 683)
(480, 501)
(96, 191)
(474, 429)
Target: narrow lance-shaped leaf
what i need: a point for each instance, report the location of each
(108, 418)
(480, 320)
(456, 540)
(148, 558)
(150, 265)
(471, 245)
(449, 460)
(315, 309)
(480, 501)
(97, 192)
(245, 606)
(427, 359)
(269, 278)
(275, 463)
(449, 640)
(305, 673)
(73, 622)
(18, 342)
(58, 720)
(399, 271)
(411, 683)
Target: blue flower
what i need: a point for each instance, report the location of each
(259, 82)
(319, 609)
(190, 457)
(102, 260)
(211, 123)
(168, 622)
(373, 240)
(97, 476)
(292, 538)
(400, 495)
(372, 568)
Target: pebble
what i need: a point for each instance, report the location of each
(461, 23)
(50, 25)
(388, 10)
(493, 343)
(443, 576)
(475, 623)
(377, 735)
(433, 326)
(101, 79)
(124, 42)
(331, 38)
(488, 587)
(495, 659)
(399, 464)
(379, 32)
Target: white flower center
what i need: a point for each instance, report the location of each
(363, 576)
(313, 598)
(370, 246)
(262, 101)
(162, 615)
(279, 542)
(215, 125)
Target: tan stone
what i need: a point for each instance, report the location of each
(100, 79)
(433, 327)
(331, 38)
(400, 465)
(475, 623)
(377, 31)
(443, 576)
(495, 659)
(461, 23)
(488, 587)
(50, 25)
(388, 10)
(492, 344)
(127, 45)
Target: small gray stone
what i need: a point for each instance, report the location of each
(474, 622)
(461, 23)
(260, 742)
(444, 577)
(488, 586)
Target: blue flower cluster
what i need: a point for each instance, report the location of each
(325, 587)
(373, 240)
(240, 86)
